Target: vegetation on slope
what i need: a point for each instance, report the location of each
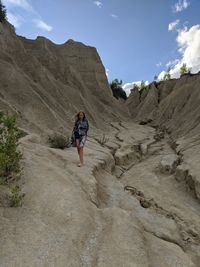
(184, 69)
(59, 141)
(117, 89)
(167, 76)
(2, 12)
(10, 157)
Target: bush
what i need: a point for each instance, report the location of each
(9, 155)
(2, 12)
(142, 86)
(16, 196)
(167, 76)
(117, 90)
(59, 141)
(184, 69)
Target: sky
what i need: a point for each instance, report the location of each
(136, 40)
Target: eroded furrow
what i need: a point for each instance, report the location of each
(132, 164)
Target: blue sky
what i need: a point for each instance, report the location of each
(135, 39)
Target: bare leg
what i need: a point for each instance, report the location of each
(78, 145)
(80, 151)
(81, 155)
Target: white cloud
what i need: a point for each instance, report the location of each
(173, 25)
(33, 15)
(114, 16)
(98, 3)
(15, 20)
(172, 63)
(181, 5)
(107, 72)
(128, 86)
(19, 3)
(188, 41)
(159, 64)
(42, 25)
(161, 75)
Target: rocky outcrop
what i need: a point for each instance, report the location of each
(95, 217)
(135, 202)
(174, 104)
(174, 107)
(46, 84)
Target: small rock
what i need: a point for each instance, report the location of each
(145, 203)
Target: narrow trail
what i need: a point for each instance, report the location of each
(142, 181)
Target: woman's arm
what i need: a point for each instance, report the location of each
(87, 125)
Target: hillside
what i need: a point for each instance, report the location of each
(46, 84)
(174, 104)
(135, 202)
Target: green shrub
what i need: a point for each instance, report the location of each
(2, 12)
(142, 86)
(184, 69)
(59, 141)
(167, 75)
(9, 155)
(117, 90)
(16, 196)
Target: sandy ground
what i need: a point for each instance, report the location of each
(88, 216)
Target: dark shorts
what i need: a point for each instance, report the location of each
(77, 136)
(82, 138)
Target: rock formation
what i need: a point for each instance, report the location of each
(46, 84)
(135, 203)
(174, 104)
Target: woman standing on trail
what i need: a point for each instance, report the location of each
(79, 134)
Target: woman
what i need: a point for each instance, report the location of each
(79, 134)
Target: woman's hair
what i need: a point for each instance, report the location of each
(77, 115)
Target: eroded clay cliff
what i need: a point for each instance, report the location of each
(135, 202)
(46, 84)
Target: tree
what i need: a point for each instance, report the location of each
(184, 69)
(142, 85)
(139, 86)
(116, 83)
(2, 12)
(135, 87)
(167, 75)
(117, 89)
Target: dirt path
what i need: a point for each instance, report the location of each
(127, 207)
